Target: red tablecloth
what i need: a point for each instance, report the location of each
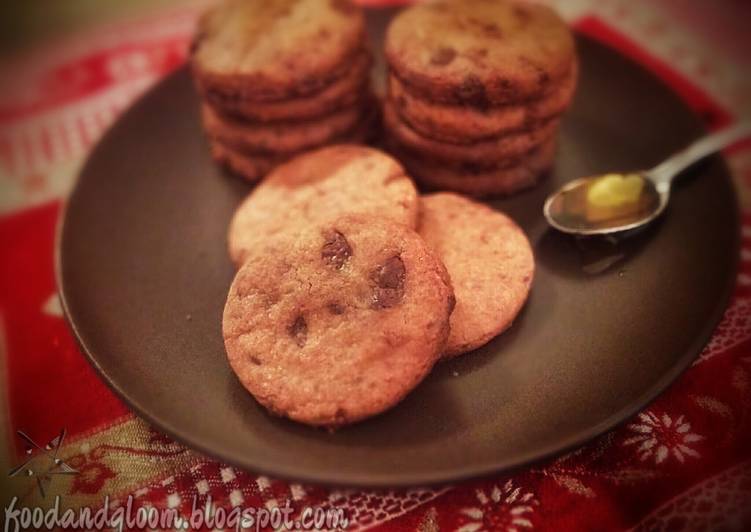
(683, 463)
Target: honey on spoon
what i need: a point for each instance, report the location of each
(617, 202)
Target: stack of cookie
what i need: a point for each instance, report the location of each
(476, 91)
(277, 78)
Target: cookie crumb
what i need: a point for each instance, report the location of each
(443, 56)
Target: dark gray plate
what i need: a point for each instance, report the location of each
(143, 274)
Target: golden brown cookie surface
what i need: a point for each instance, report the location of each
(266, 51)
(490, 263)
(319, 185)
(480, 52)
(339, 322)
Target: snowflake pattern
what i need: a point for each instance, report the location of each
(503, 508)
(661, 437)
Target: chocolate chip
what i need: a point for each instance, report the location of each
(491, 30)
(389, 283)
(298, 330)
(477, 54)
(520, 13)
(336, 250)
(443, 56)
(472, 92)
(336, 308)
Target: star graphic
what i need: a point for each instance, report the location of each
(34, 451)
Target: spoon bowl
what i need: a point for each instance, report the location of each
(615, 203)
(572, 209)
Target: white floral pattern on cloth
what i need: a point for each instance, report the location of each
(230, 487)
(734, 328)
(661, 437)
(500, 508)
(368, 509)
(579, 471)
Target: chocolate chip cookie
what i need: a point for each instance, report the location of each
(479, 52)
(490, 263)
(269, 51)
(318, 185)
(338, 322)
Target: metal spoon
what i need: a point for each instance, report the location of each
(612, 203)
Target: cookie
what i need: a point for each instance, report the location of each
(279, 137)
(349, 90)
(339, 322)
(486, 152)
(523, 173)
(250, 167)
(490, 263)
(254, 166)
(462, 123)
(318, 185)
(269, 51)
(479, 52)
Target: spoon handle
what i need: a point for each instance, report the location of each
(663, 173)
